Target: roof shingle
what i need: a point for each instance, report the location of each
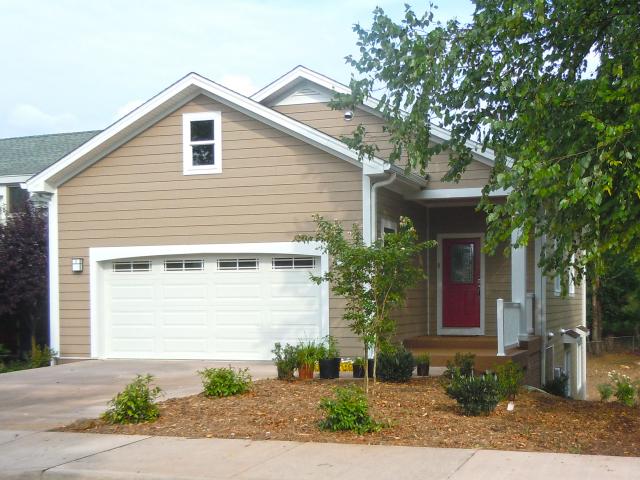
(30, 155)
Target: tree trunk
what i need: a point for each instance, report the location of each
(596, 314)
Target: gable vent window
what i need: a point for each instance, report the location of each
(293, 263)
(202, 143)
(129, 267)
(238, 264)
(183, 265)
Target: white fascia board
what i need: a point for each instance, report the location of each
(282, 84)
(184, 91)
(453, 193)
(11, 179)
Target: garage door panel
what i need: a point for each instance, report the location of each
(213, 314)
(184, 318)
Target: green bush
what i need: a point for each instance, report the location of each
(510, 376)
(463, 364)
(422, 359)
(395, 365)
(558, 386)
(348, 411)
(136, 403)
(285, 359)
(225, 382)
(476, 395)
(41, 356)
(309, 353)
(606, 391)
(625, 390)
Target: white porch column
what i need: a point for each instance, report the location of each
(519, 279)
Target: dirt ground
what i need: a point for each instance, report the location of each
(417, 413)
(599, 367)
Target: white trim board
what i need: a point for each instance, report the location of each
(101, 254)
(460, 331)
(171, 99)
(453, 193)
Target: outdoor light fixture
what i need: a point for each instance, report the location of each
(76, 265)
(348, 115)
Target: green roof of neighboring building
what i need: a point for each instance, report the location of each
(30, 155)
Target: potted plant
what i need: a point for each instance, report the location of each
(307, 356)
(422, 364)
(358, 368)
(330, 361)
(285, 359)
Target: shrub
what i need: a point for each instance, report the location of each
(309, 353)
(422, 359)
(41, 356)
(136, 403)
(285, 359)
(225, 382)
(625, 390)
(606, 391)
(395, 365)
(463, 364)
(558, 386)
(475, 395)
(348, 411)
(510, 376)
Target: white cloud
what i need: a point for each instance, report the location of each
(30, 118)
(127, 108)
(239, 83)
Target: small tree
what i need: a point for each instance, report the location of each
(372, 278)
(23, 270)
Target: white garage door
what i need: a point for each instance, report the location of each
(231, 307)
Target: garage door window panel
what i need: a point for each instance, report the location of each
(132, 267)
(183, 265)
(293, 263)
(237, 264)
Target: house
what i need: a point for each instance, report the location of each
(171, 236)
(22, 157)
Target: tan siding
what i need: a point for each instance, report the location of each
(331, 122)
(412, 319)
(562, 313)
(270, 186)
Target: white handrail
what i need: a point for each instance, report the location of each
(508, 325)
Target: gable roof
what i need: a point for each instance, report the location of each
(29, 155)
(280, 87)
(170, 100)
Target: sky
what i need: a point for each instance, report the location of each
(73, 65)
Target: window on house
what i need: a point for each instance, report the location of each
(202, 143)
(133, 266)
(183, 265)
(387, 225)
(293, 263)
(17, 198)
(238, 264)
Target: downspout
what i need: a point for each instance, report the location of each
(374, 204)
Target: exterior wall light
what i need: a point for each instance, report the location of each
(348, 115)
(76, 265)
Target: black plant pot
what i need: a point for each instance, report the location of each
(423, 370)
(336, 367)
(358, 371)
(326, 368)
(330, 367)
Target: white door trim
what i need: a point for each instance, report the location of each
(460, 331)
(101, 254)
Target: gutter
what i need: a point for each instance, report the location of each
(374, 203)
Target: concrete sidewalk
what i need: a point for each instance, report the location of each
(48, 455)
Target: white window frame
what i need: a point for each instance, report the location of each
(388, 223)
(237, 267)
(293, 263)
(188, 168)
(184, 267)
(131, 263)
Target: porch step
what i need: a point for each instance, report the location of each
(443, 349)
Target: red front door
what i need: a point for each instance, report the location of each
(461, 283)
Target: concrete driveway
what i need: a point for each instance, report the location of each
(50, 397)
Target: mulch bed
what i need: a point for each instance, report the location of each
(417, 413)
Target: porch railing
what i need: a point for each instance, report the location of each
(508, 317)
(513, 322)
